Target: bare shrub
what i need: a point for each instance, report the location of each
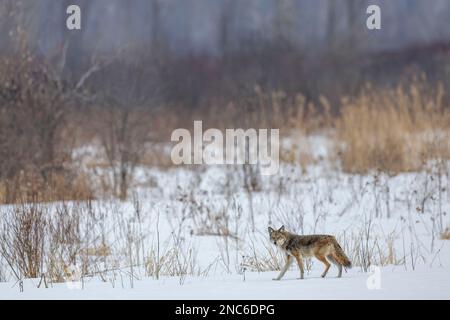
(23, 239)
(42, 240)
(33, 114)
(123, 134)
(65, 243)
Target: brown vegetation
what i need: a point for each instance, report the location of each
(393, 130)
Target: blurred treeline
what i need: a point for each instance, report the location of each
(201, 52)
(140, 68)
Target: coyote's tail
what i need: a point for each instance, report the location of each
(340, 255)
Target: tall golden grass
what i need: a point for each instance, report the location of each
(28, 186)
(393, 130)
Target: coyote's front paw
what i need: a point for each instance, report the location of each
(276, 279)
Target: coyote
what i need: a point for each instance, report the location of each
(324, 247)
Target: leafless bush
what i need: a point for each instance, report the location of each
(123, 135)
(65, 241)
(34, 109)
(42, 240)
(23, 231)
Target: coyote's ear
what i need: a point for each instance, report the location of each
(281, 229)
(270, 230)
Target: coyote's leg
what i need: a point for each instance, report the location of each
(325, 262)
(337, 264)
(298, 257)
(286, 266)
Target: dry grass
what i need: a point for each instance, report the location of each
(29, 186)
(393, 130)
(446, 234)
(267, 259)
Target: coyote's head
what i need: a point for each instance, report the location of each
(277, 237)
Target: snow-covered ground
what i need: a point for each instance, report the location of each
(394, 283)
(197, 234)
